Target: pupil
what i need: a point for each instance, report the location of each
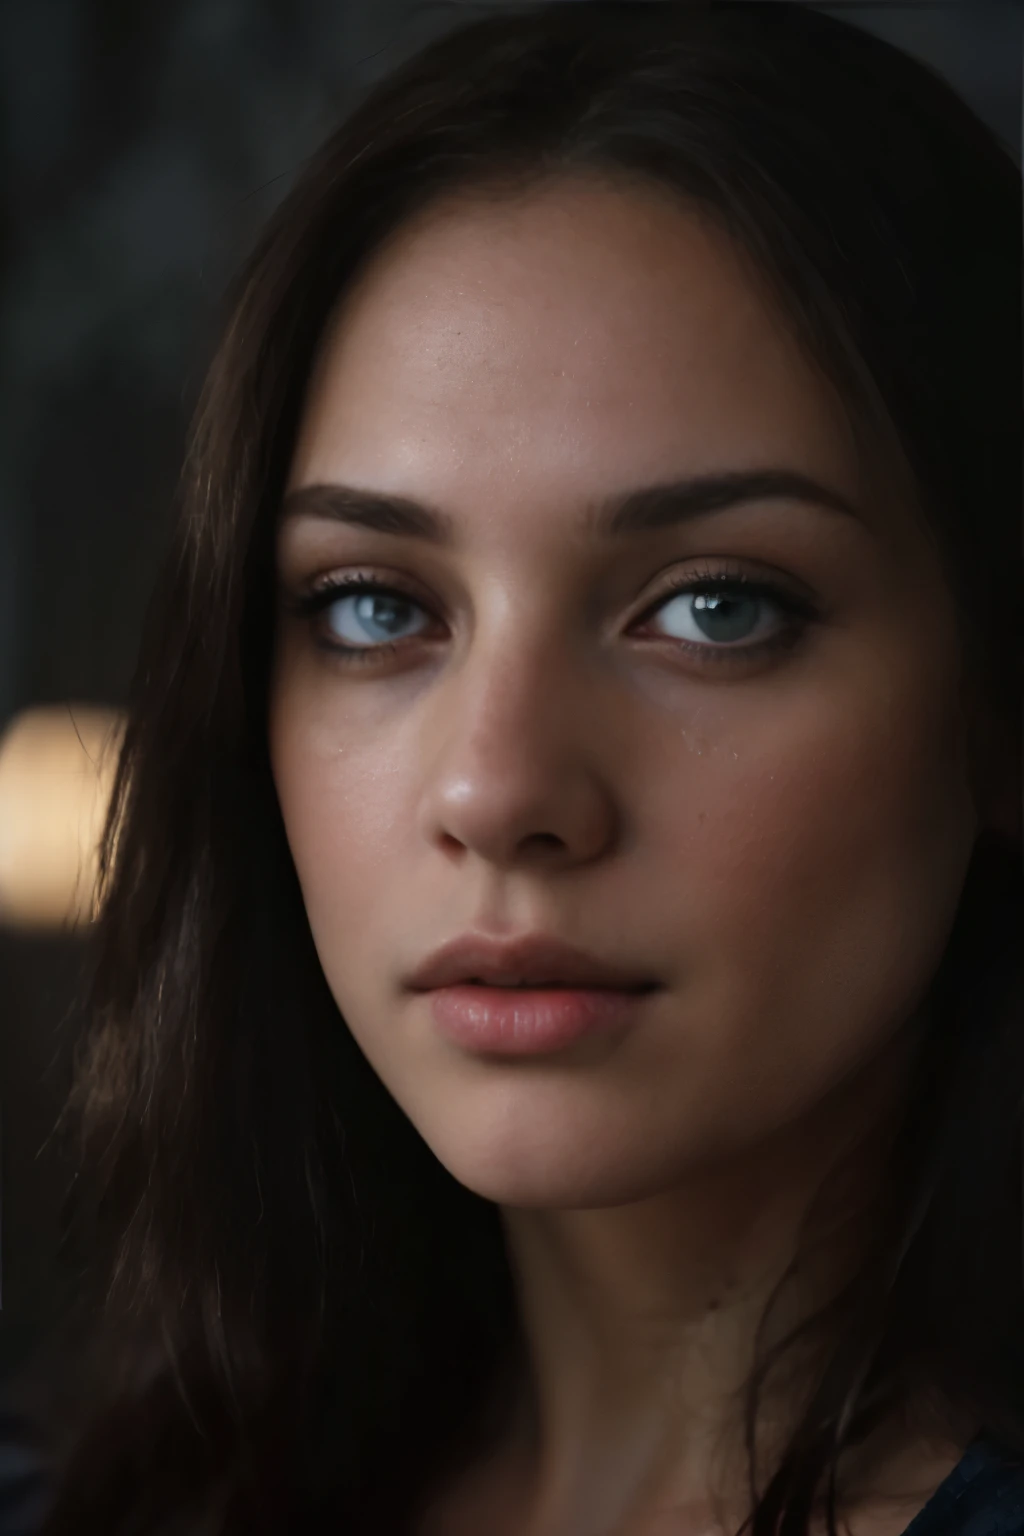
(369, 611)
(725, 618)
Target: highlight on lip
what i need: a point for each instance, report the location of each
(524, 1021)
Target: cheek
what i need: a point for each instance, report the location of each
(340, 791)
(814, 858)
(817, 795)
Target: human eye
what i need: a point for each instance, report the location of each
(358, 617)
(723, 615)
(727, 615)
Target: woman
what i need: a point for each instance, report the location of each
(554, 1062)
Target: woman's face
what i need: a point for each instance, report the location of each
(762, 805)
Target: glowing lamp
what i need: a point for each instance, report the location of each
(56, 775)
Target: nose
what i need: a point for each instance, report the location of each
(513, 768)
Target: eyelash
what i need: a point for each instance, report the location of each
(797, 611)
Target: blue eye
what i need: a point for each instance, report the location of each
(368, 614)
(722, 616)
(714, 617)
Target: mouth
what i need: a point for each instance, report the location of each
(549, 984)
(529, 963)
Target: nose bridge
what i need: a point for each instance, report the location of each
(513, 759)
(516, 687)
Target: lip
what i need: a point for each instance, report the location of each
(531, 1021)
(537, 960)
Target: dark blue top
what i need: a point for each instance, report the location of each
(982, 1496)
(22, 1479)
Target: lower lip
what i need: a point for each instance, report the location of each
(527, 1021)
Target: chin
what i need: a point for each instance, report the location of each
(544, 1188)
(557, 1162)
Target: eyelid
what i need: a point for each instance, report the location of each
(372, 576)
(795, 610)
(713, 569)
(753, 576)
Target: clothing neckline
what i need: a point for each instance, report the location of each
(981, 1455)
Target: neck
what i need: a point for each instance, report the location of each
(642, 1322)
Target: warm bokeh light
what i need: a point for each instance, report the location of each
(56, 774)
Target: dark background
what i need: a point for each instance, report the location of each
(143, 142)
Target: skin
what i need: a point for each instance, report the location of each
(778, 837)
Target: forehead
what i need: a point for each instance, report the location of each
(557, 345)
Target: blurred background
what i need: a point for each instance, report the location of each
(143, 145)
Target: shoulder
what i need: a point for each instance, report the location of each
(23, 1483)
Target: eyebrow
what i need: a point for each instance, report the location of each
(643, 510)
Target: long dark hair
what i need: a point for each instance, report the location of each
(287, 1310)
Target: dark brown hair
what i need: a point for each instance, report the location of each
(290, 1312)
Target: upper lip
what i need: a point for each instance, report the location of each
(531, 959)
